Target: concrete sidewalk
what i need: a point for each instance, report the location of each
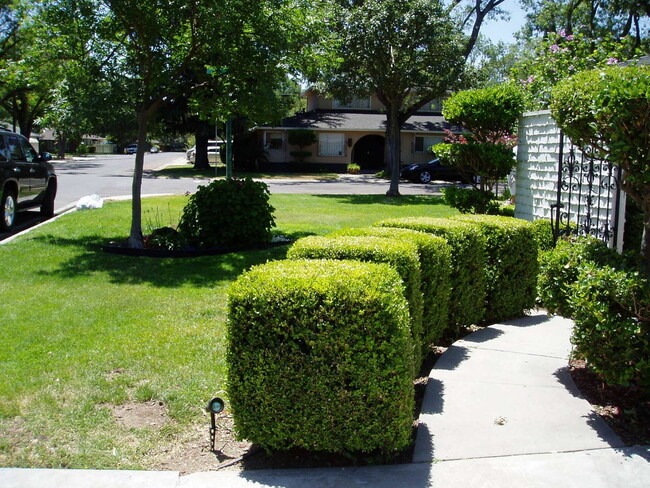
(500, 409)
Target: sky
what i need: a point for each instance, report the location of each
(501, 30)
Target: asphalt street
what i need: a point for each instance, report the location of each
(112, 176)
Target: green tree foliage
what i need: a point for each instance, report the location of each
(490, 115)
(607, 111)
(560, 55)
(29, 67)
(150, 52)
(407, 52)
(302, 138)
(618, 18)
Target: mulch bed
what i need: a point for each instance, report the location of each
(626, 410)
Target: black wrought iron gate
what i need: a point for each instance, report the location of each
(588, 195)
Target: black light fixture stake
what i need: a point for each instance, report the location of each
(215, 406)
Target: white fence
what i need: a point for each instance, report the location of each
(587, 200)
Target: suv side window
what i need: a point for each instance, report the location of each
(28, 150)
(3, 157)
(15, 151)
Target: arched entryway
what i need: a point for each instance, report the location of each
(368, 152)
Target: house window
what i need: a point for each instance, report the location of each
(355, 103)
(331, 144)
(423, 143)
(273, 140)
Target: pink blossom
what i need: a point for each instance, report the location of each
(561, 33)
(554, 48)
(530, 79)
(569, 38)
(612, 61)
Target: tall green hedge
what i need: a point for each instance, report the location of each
(467, 304)
(319, 356)
(435, 267)
(403, 256)
(511, 265)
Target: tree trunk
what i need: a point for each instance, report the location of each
(201, 155)
(135, 238)
(393, 138)
(62, 142)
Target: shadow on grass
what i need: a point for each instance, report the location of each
(404, 200)
(206, 271)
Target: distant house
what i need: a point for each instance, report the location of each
(97, 144)
(354, 132)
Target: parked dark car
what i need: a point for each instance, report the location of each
(430, 171)
(27, 179)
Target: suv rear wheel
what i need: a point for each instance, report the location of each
(8, 207)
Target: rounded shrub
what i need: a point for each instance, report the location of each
(511, 267)
(232, 213)
(560, 267)
(435, 268)
(467, 304)
(611, 310)
(319, 356)
(403, 256)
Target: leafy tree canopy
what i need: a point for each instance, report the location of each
(608, 111)
(561, 55)
(593, 18)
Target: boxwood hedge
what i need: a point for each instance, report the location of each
(319, 356)
(511, 265)
(467, 304)
(403, 256)
(435, 267)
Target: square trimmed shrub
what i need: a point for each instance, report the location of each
(435, 268)
(319, 356)
(512, 265)
(403, 256)
(468, 261)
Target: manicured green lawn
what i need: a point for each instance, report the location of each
(82, 330)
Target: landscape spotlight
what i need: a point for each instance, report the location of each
(215, 406)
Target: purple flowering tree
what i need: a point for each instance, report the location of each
(561, 55)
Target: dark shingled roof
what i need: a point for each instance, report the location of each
(363, 121)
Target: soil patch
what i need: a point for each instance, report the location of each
(625, 409)
(148, 415)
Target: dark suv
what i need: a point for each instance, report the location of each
(27, 180)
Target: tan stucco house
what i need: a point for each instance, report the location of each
(354, 132)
